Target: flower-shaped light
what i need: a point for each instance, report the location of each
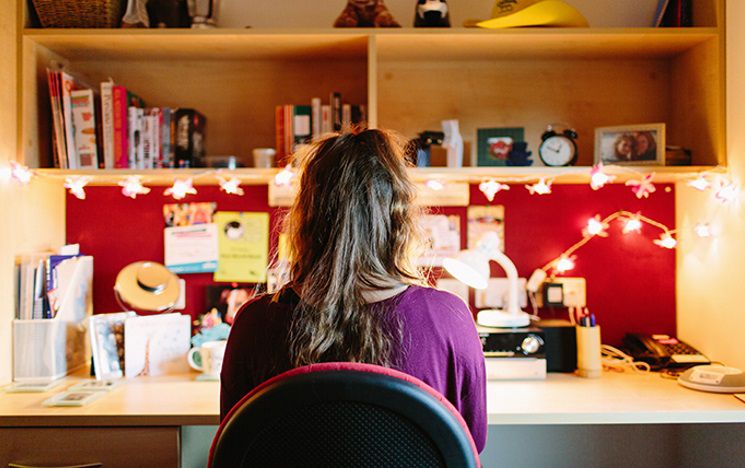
(491, 187)
(231, 186)
(20, 173)
(284, 177)
(434, 184)
(595, 227)
(700, 183)
(542, 187)
(666, 241)
(642, 188)
(180, 189)
(564, 264)
(727, 191)
(703, 230)
(132, 186)
(598, 178)
(76, 186)
(632, 223)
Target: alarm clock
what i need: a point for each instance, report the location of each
(558, 149)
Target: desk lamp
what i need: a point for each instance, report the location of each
(472, 268)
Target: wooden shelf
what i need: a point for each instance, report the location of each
(472, 175)
(393, 44)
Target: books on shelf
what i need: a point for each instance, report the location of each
(111, 127)
(299, 124)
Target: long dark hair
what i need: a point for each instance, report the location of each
(353, 227)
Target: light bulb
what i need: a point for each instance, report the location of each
(666, 241)
(434, 184)
(132, 186)
(632, 224)
(284, 177)
(491, 187)
(180, 189)
(642, 188)
(700, 183)
(542, 187)
(20, 173)
(76, 186)
(231, 186)
(564, 264)
(598, 178)
(703, 230)
(727, 192)
(596, 227)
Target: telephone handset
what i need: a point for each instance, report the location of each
(663, 351)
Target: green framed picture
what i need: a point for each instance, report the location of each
(494, 144)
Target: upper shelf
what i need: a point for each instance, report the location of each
(391, 44)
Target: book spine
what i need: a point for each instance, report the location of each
(172, 139)
(289, 133)
(84, 123)
(165, 137)
(190, 137)
(68, 85)
(301, 125)
(157, 137)
(121, 130)
(107, 123)
(346, 117)
(315, 118)
(133, 136)
(59, 151)
(140, 147)
(326, 125)
(335, 101)
(147, 142)
(279, 134)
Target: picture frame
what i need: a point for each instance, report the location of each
(493, 145)
(642, 144)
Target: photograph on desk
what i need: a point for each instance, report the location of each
(483, 219)
(156, 344)
(227, 300)
(442, 238)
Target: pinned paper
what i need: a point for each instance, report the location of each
(243, 244)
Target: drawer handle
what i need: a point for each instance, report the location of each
(84, 465)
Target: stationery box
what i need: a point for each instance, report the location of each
(45, 349)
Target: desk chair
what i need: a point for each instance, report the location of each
(343, 415)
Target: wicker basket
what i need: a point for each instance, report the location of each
(80, 13)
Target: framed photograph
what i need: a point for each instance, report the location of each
(631, 144)
(495, 144)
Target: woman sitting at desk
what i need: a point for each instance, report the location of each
(355, 294)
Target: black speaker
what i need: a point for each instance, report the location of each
(561, 345)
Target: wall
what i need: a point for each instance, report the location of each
(631, 282)
(292, 14)
(33, 216)
(710, 272)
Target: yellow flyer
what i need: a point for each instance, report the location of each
(243, 246)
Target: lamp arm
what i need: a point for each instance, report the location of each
(512, 286)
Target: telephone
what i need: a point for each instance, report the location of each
(663, 351)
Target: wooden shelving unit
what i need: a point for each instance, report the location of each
(471, 175)
(410, 79)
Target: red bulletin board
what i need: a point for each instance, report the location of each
(630, 281)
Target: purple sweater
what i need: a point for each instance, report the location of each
(440, 347)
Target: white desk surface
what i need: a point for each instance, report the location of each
(615, 398)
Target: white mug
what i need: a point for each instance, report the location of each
(208, 358)
(264, 157)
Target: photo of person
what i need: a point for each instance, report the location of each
(637, 144)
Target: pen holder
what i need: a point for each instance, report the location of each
(588, 352)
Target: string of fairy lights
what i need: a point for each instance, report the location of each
(641, 184)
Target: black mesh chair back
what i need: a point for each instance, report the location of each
(343, 415)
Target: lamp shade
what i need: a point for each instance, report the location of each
(470, 267)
